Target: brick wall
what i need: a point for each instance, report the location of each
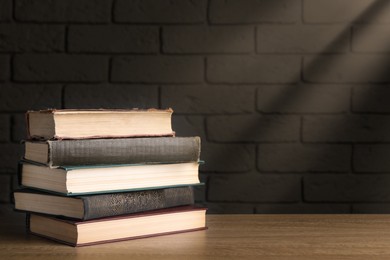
(290, 97)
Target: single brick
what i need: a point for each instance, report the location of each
(208, 39)
(60, 67)
(4, 128)
(346, 68)
(359, 128)
(347, 188)
(110, 96)
(4, 67)
(303, 99)
(370, 38)
(5, 10)
(254, 188)
(302, 39)
(253, 69)
(5, 188)
(189, 126)
(156, 69)
(91, 11)
(208, 99)
(303, 158)
(113, 39)
(163, 11)
(10, 156)
(345, 11)
(19, 128)
(372, 208)
(23, 97)
(255, 11)
(303, 208)
(229, 208)
(232, 158)
(371, 99)
(371, 158)
(38, 38)
(250, 128)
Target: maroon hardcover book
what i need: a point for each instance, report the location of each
(113, 229)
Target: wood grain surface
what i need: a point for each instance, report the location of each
(228, 237)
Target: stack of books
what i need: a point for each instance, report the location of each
(96, 176)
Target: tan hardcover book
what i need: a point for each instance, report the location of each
(82, 124)
(112, 229)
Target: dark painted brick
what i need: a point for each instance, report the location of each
(189, 126)
(208, 39)
(155, 69)
(23, 97)
(303, 158)
(371, 99)
(302, 39)
(347, 188)
(371, 158)
(303, 99)
(356, 128)
(163, 11)
(4, 67)
(98, 11)
(254, 188)
(5, 188)
(303, 208)
(18, 128)
(38, 38)
(355, 68)
(253, 69)
(113, 39)
(60, 68)
(372, 208)
(233, 158)
(250, 128)
(346, 11)
(5, 10)
(370, 38)
(254, 11)
(200, 190)
(110, 96)
(5, 127)
(229, 208)
(10, 155)
(208, 99)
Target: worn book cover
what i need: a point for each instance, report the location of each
(113, 151)
(102, 205)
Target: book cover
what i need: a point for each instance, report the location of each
(114, 151)
(98, 123)
(113, 229)
(102, 205)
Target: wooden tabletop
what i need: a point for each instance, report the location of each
(229, 236)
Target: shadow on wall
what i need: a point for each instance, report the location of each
(316, 144)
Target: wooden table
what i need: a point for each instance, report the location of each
(229, 236)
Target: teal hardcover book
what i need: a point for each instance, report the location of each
(72, 181)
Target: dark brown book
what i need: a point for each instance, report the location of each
(102, 205)
(98, 123)
(55, 153)
(133, 226)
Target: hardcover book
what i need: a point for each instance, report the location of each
(113, 151)
(104, 230)
(79, 124)
(108, 178)
(102, 205)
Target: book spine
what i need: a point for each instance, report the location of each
(124, 151)
(115, 204)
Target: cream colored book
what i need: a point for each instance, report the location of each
(82, 124)
(108, 178)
